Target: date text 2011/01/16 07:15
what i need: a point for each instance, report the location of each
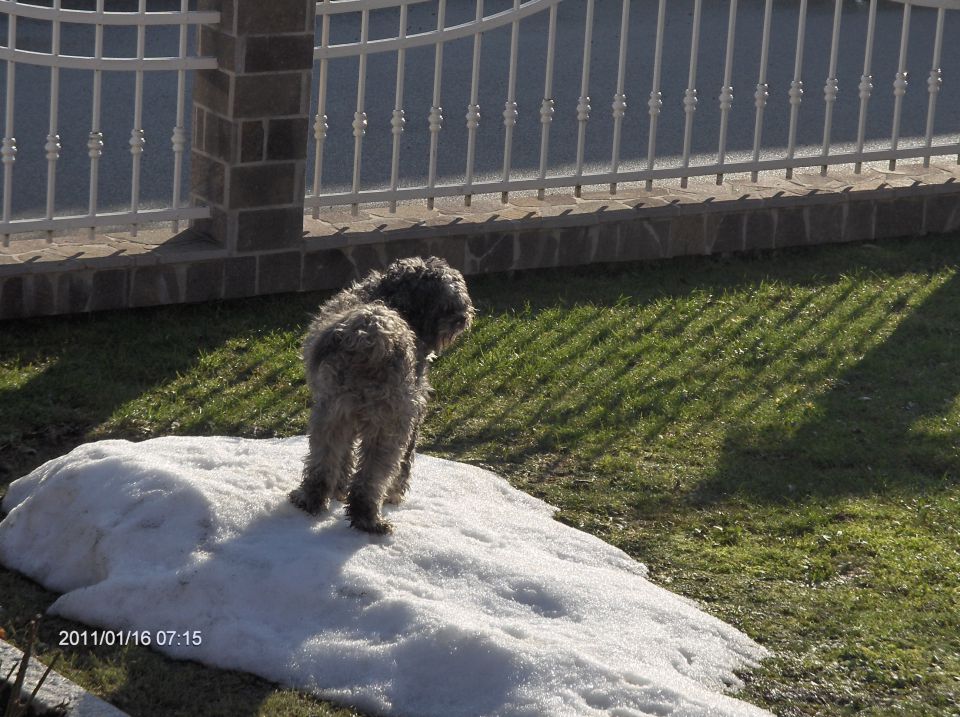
(93, 638)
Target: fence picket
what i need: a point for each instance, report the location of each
(473, 109)
(9, 151)
(655, 102)
(900, 83)
(179, 137)
(320, 125)
(726, 92)
(95, 138)
(934, 82)
(796, 87)
(510, 113)
(52, 147)
(619, 98)
(690, 95)
(866, 82)
(397, 119)
(831, 87)
(436, 112)
(761, 94)
(546, 105)
(137, 137)
(583, 102)
(360, 116)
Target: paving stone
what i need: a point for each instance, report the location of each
(825, 223)
(899, 218)
(109, 290)
(154, 285)
(859, 220)
(406, 248)
(40, 295)
(453, 249)
(645, 239)
(606, 248)
(490, 252)
(941, 214)
(576, 244)
(328, 269)
(790, 227)
(724, 233)
(240, 277)
(11, 298)
(537, 249)
(368, 258)
(759, 229)
(73, 292)
(279, 273)
(204, 281)
(688, 236)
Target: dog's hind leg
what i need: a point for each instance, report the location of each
(329, 463)
(381, 451)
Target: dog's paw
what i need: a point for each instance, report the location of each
(307, 503)
(377, 526)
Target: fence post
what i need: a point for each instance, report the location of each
(250, 123)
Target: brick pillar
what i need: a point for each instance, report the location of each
(250, 119)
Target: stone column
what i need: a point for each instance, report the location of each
(250, 123)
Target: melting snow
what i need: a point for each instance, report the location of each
(479, 604)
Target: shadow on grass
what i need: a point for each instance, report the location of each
(888, 425)
(81, 369)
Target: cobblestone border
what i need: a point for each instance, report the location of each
(57, 689)
(73, 276)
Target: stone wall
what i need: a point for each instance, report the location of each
(72, 277)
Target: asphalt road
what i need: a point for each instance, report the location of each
(75, 103)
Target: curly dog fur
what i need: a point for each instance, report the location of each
(366, 356)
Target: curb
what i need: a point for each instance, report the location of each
(57, 689)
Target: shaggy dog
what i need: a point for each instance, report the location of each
(366, 356)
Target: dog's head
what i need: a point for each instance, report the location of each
(432, 297)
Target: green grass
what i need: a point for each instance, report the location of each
(776, 436)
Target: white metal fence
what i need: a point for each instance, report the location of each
(48, 30)
(644, 48)
(389, 72)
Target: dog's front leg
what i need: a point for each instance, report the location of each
(401, 482)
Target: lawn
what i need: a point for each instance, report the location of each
(776, 436)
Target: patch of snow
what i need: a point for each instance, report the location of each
(479, 603)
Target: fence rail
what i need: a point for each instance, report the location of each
(98, 63)
(527, 119)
